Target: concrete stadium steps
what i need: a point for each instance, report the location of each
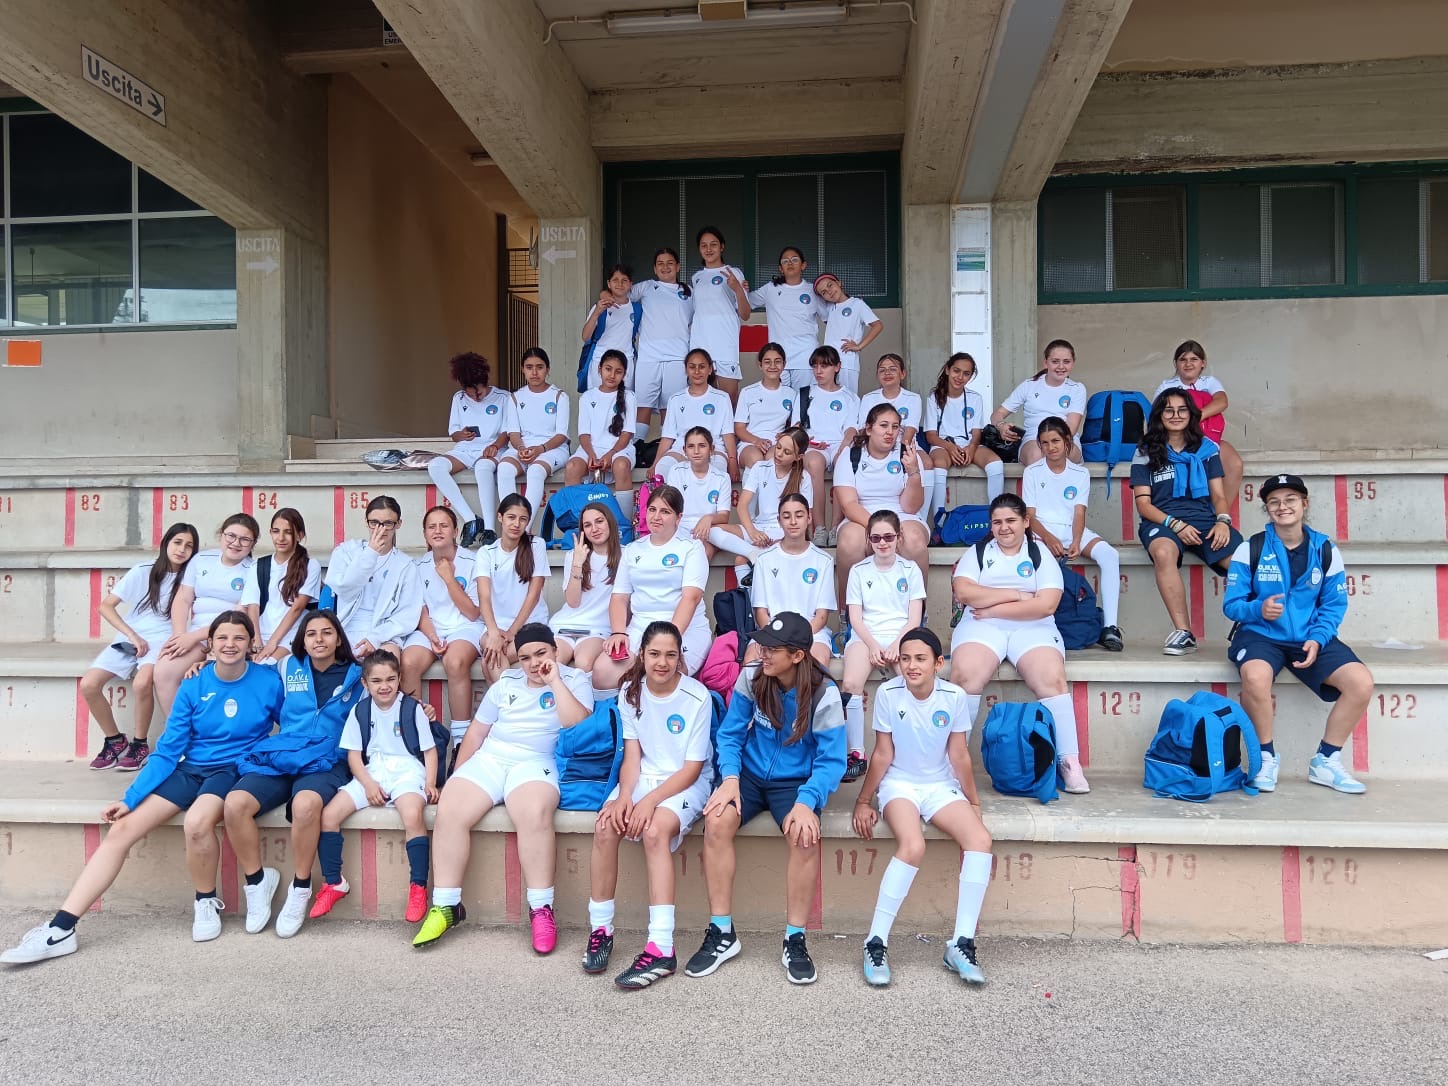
(1118, 701)
(1304, 864)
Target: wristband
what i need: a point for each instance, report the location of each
(1224, 518)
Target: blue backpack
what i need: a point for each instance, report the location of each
(961, 526)
(1115, 424)
(441, 736)
(1197, 751)
(1018, 747)
(1078, 619)
(720, 707)
(589, 756)
(585, 359)
(562, 511)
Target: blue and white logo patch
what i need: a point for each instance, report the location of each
(546, 700)
(1064, 401)
(550, 408)
(810, 576)
(902, 585)
(708, 409)
(670, 561)
(675, 724)
(941, 719)
(491, 409)
(1069, 493)
(804, 299)
(845, 312)
(894, 467)
(717, 280)
(1024, 569)
(237, 584)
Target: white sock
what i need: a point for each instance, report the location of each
(447, 895)
(734, 544)
(1105, 556)
(661, 928)
(855, 723)
(995, 480)
(600, 915)
(538, 898)
(972, 703)
(534, 488)
(486, 473)
(893, 887)
(600, 694)
(942, 484)
(507, 480)
(459, 728)
(1063, 711)
(440, 469)
(625, 499)
(974, 879)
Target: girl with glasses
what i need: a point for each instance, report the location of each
(379, 595)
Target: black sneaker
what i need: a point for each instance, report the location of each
(600, 948)
(1179, 643)
(472, 532)
(646, 969)
(798, 965)
(1111, 639)
(489, 538)
(718, 947)
(855, 766)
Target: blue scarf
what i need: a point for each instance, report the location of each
(1190, 469)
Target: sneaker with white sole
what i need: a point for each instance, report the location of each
(259, 900)
(1328, 770)
(877, 962)
(1266, 778)
(821, 538)
(294, 910)
(1179, 643)
(40, 943)
(718, 947)
(207, 925)
(1073, 780)
(960, 956)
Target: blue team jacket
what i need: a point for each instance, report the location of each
(309, 739)
(748, 739)
(212, 723)
(1313, 608)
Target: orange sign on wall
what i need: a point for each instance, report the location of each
(22, 352)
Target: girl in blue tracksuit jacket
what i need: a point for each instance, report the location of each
(781, 748)
(1288, 610)
(301, 766)
(217, 717)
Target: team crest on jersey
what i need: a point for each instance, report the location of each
(845, 312)
(550, 408)
(969, 412)
(237, 584)
(462, 582)
(681, 293)
(708, 409)
(1317, 576)
(1064, 401)
(837, 405)
(546, 700)
(1069, 493)
(713, 497)
(810, 576)
(397, 727)
(717, 280)
(804, 299)
(941, 719)
(670, 561)
(675, 724)
(902, 585)
(229, 707)
(1024, 569)
(894, 467)
(491, 409)
(787, 404)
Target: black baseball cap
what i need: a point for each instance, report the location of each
(786, 630)
(1282, 482)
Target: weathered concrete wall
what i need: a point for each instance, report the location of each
(412, 275)
(1310, 374)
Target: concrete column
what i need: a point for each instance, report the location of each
(925, 289)
(1014, 356)
(281, 319)
(570, 275)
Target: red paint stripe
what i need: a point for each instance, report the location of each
(248, 499)
(92, 842)
(512, 880)
(435, 699)
(157, 528)
(1020, 486)
(339, 515)
(731, 579)
(1196, 584)
(95, 601)
(1080, 697)
(369, 874)
(1291, 895)
(1360, 745)
(1236, 509)
(1220, 689)
(70, 517)
(1445, 506)
(1128, 518)
(431, 495)
(230, 892)
(82, 723)
(1443, 603)
(752, 337)
(1339, 491)
(816, 919)
(1130, 892)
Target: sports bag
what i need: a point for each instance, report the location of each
(641, 513)
(1078, 619)
(721, 665)
(1114, 426)
(1197, 751)
(1018, 747)
(441, 736)
(734, 613)
(585, 357)
(961, 526)
(589, 756)
(562, 511)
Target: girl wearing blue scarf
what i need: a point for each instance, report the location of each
(1176, 476)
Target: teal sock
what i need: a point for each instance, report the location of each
(791, 929)
(723, 923)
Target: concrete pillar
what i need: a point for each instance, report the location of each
(281, 320)
(1014, 356)
(570, 275)
(925, 289)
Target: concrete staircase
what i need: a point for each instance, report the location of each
(1302, 864)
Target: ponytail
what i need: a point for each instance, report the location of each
(620, 400)
(794, 480)
(523, 565)
(297, 568)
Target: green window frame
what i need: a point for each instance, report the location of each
(1365, 204)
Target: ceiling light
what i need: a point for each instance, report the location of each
(686, 20)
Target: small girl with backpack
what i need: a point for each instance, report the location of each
(662, 788)
(1056, 492)
(954, 416)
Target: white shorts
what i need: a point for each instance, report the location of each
(573, 640)
(727, 368)
(850, 379)
(697, 638)
(1063, 533)
(498, 776)
(124, 665)
(687, 806)
(395, 776)
(468, 631)
(675, 380)
(552, 459)
(827, 450)
(884, 633)
(1009, 640)
(928, 799)
(627, 452)
(653, 380)
(826, 638)
(467, 453)
(800, 378)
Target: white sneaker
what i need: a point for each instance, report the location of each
(1331, 772)
(1072, 779)
(259, 900)
(40, 943)
(1266, 778)
(294, 911)
(207, 925)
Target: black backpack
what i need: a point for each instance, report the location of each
(263, 580)
(1254, 555)
(804, 408)
(734, 613)
(441, 737)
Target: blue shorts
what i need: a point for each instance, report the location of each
(1218, 559)
(189, 782)
(271, 792)
(777, 797)
(1248, 645)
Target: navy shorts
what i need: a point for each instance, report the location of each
(1217, 559)
(271, 792)
(776, 797)
(188, 782)
(1248, 645)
